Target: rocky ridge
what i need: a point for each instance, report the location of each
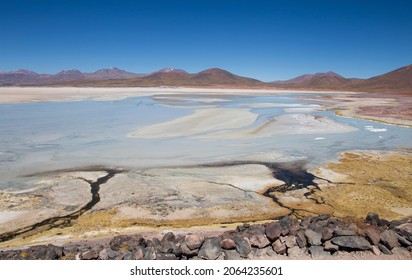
(320, 237)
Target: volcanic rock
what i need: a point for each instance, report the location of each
(343, 232)
(107, 254)
(329, 246)
(273, 231)
(376, 250)
(228, 244)
(149, 253)
(279, 247)
(242, 245)
(405, 230)
(186, 251)
(232, 255)
(210, 249)
(351, 242)
(313, 237)
(373, 235)
(383, 249)
(194, 241)
(125, 242)
(373, 219)
(390, 239)
(318, 252)
(290, 241)
(257, 237)
(301, 239)
(90, 255)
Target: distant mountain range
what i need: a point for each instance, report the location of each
(397, 81)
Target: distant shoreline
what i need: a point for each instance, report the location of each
(22, 94)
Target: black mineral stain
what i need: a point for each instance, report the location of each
(66, 220)
(294, 175)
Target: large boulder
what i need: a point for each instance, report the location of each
(194, 240)
(232, 255)
(351, 242)
(273, 231)
(279, 247)
(290, 241)
(313, 237)
(125, 242)
(42, 252)
(343, 232)
(383, 249)
(186, 250)
(318, 252)
(89, 255)
(301, 239)
(210, 249)
(285, 222)
(295, 252)
(327, 234)
(373, 219)
(390, 239)
(405, 230)
(242, 245)
(330, 247)
(168, 237)
(149, 253)
(138, 255)
(259, 241)
(373, 235)
(228, 244)
(257, 237)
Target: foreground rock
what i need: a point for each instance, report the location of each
(321, 237)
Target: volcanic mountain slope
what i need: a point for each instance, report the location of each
(216, 76)
(213, 77)
(397, 81)
(71, 77)
(319, 80)
(111, 73)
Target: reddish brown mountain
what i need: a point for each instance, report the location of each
(111, 73)
(216, 76)
(397, 81)
(315, 81)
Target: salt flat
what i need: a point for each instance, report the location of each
(175, 157)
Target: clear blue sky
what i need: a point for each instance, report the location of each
(267, 40)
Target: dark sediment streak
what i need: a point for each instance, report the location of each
(66, 220)
(294, 175)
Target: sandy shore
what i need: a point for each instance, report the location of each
(201, 122)
(61, 94)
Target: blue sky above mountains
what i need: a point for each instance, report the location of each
(267, 40)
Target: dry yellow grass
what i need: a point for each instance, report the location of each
(379, 182)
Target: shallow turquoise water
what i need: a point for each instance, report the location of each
(38, 137)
